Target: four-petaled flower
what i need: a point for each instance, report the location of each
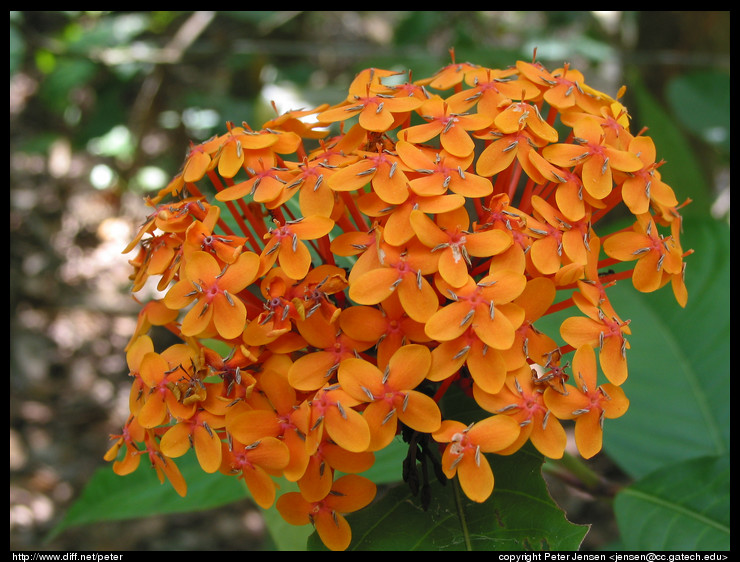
(587, 402)
(598, 159)
(215, 289)
(349, 493)
(464, 453)
(391, 393)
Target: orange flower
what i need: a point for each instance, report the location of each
(644, 186)
(199, 159)
(255, 464)
(441, 171)
(448, 122)
(160, 373)
(504, 148)
(215, 290)
(587, 402)
(131, 434)
(272, 412)
(563, 88)
(388, 325)
(597, 158)
(310, 179)
(331, 412)
(331, 347)
(463, 454)
(414, 252)
(165, 467)
(316, 482)
(390, 394)
(348, 494)
(485, 306)
(561, 241)
(449, 76)
(602, 328)
(450, 239)
(523, 400)
(375, 109)
(200, 237)
(487, 366)
(395, 219)
(491, 89)
(266, 184)
(403, 269)
(285, 245)
(197, 432)
(383, 171)
(658, 258)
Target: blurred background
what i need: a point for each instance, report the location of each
(103, 106)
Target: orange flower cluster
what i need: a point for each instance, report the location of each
(322, 285)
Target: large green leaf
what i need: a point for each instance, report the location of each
(701, 101)
(685, 506)
(520, 515)
(110, 497)
(679, 362)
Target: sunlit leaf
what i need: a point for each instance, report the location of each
(110, 497)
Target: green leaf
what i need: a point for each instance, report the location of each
(110, 497)
(388, 465)
(685, 506)
(701, 101)
(283, 535)
(520, 515)
(678, 360)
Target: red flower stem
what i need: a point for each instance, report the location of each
(502, 178)
(481, 268)
(558, 306)
(514, 179)
(611, 201)
(237, 216)
(324, 250)
(254, 304)
(546, 190)
(444, 386)
(357, 216)
(345, 224)
(552, 114)
(193, 190)
(611, 277)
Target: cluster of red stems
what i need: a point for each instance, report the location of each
(327, 270)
